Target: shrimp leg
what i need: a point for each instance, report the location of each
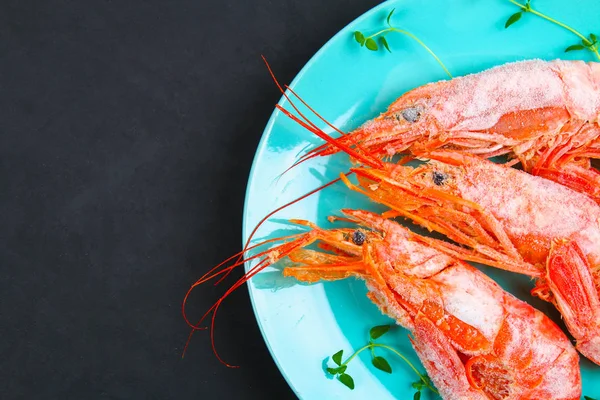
(442, 361)
(570, 279)
(578, 178)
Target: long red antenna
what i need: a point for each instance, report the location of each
(313, 128)
(240, 261)
(316, 151)
(257, 268)
(214, 272)
(284, 93)
(262, 221)
(366, 159)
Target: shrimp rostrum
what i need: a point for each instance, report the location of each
(475, 340)
(509, 219)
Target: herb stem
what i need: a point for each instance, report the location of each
(357, 352)
(386, 30)
(373, 345)
(565, 26)
(392, 29)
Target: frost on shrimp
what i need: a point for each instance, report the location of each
(475, 340)
(511, 220)
(542, 114)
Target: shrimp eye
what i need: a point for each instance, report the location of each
(358, 238)
(411, 114)
(439, 178)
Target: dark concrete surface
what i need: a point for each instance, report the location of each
(127, 132)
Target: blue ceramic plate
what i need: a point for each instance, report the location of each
(304, 324)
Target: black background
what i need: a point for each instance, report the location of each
(128, 129)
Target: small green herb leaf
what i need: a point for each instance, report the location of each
(371, 44)
(385, 43)
(574, 47)
(417, 395)
(337, 357)
(513, 18)
(390, 16)
(591, 42)
(359, 37)
(338, 370)
(378, 331)
(347, 380)
(588, 398)
(382, 364)
(422, 383)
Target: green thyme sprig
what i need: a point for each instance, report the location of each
(590, 42)
(588, 398)
(422, 384)
(378, 362)
(370, 42)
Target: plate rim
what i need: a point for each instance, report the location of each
(251, 176)
(267, 134)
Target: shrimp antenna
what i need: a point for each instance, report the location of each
(223, 271)
(371, 161)
(308, 124)
(366, 158)
(266, 258)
